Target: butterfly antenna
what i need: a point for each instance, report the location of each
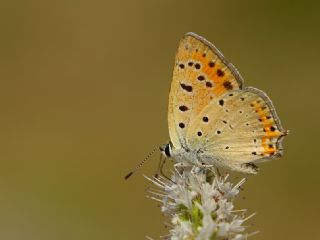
(140, 164)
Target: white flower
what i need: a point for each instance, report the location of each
(199, 208)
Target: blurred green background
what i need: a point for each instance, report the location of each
(83, 98)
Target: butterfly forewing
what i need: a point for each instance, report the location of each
(237, 127)
(201, 75)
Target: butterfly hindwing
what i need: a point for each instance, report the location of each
(238, 127)
(201, 75)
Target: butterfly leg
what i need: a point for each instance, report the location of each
(159, 166)
(181, 166)
(160, 172)
(196, 169)
(215, 171)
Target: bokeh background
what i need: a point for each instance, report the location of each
(83, 98)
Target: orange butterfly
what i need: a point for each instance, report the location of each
(212, 118)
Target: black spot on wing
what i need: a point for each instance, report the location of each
(197, 66)
(227, 85)
(185, 87)
(201, 78)
(183, 108)
(205, 119)
(220, 73)
(209, 84)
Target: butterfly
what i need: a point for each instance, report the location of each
(212, 118)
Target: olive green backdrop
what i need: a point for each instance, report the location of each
(83, 98)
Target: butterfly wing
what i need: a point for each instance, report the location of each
(238, 127)
(200, 75)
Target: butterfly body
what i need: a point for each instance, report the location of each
(198, 158)
(212, 118)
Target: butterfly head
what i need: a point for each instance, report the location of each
(166, 149)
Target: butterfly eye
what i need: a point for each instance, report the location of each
(167, 150)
